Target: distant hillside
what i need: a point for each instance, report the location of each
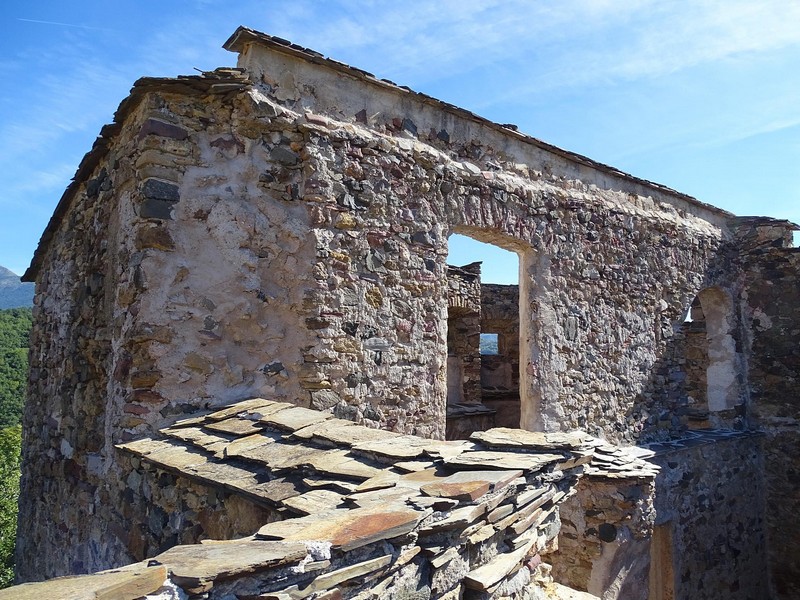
(14, 293)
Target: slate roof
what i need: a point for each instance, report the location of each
(358, 503)
(301, 461)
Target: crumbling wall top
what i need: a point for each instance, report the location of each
(244, 40)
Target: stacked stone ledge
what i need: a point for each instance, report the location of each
(354, 512)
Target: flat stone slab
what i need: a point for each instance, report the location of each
(275, 491)
(240, 445)
(382, 497)
(497, 569)
(313, 502)
(197, 566)
(292, 419)
(505, 437)
(341, 463)
(403, 447)
(235, 426)
(417, 479)
(456, 518)
(220, 473)
(383, 480)
(347, 529)
(343, 433)
(334, 578)
(318, 430)
(260, 405)
(176, 458)
(146, 446)
(279, 456)
(336, 485)
(412, 466)
(487, 459)
(127, 583)
(470, 485)
(194, 435)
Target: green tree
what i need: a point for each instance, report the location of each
(10, 444)
(15, 327)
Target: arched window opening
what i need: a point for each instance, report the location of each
(711, 365)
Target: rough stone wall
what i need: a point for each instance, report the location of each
(463, 334)
(500, 373)
(607, 266)
(603, 545)
(289, 240)
(500, 306)
(710, 498)
(163, 509)
(71, 399)
(773, 311)
(696, 365)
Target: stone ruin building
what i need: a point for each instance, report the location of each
(247, 335)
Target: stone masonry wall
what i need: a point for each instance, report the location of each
(607, 266)
(288, 239)
(163, 509)
(352, 317)
(603, 545)
(709, 497)
(773, 311)
(500, 315)
(70, 401)
(463, 334)
(500, 373)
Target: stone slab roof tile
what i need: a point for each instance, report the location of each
(195, 435)
(487, 459)
(503, 437)
(257, 407)
(470, 485)
(128, 583)
(314, 501)
(242, 444)
(292, 419)
(354, 487)
(236, 426)
(347, 529)
(196, 567)
(345, 433)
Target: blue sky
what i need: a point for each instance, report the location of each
(702, 95)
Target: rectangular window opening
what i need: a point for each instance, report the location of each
(489, 344)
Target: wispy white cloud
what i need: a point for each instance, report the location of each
(56, 23)
(534, 51)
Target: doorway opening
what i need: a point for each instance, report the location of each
(483, 336)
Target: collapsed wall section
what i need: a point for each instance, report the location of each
(347, 511)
